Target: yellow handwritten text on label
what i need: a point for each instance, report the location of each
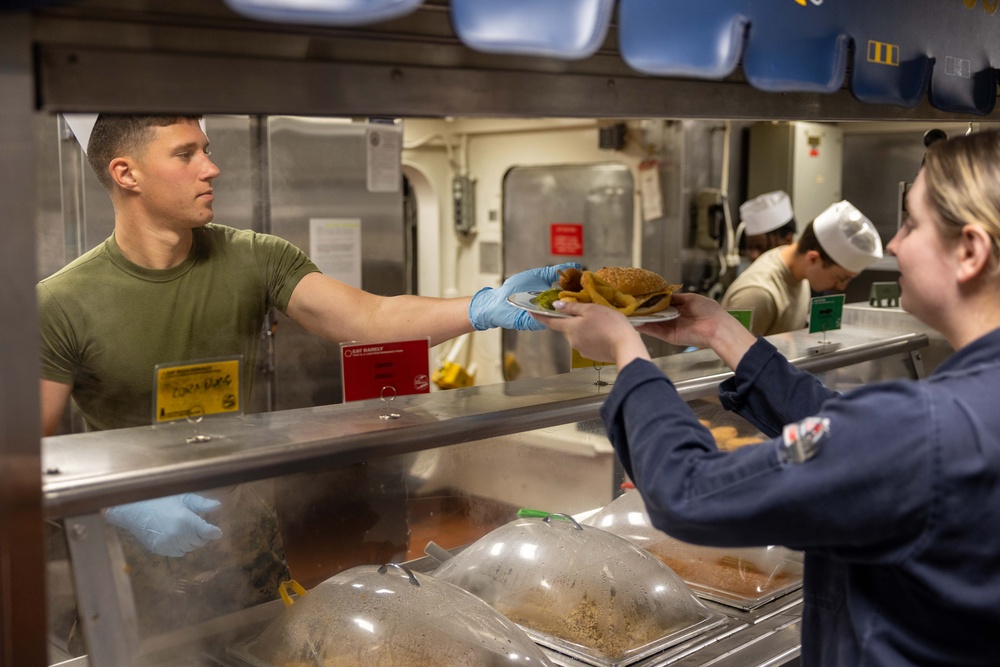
(191, 390)
(883, 53)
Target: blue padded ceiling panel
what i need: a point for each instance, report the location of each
(558, 28)
(808, 60)
(324, 12)
(901, 47)
(696, 40)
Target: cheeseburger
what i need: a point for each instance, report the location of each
(629, 290)
(650, 290)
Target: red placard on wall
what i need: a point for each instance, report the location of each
(566, 239)
(384, 370)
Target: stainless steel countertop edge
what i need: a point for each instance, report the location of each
(85, 472)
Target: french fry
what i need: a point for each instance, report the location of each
(596, 290)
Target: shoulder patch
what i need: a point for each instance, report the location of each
(802, 440)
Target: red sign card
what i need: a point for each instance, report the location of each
(384, 370)
(566, 239)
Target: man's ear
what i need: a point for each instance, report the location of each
(121, 173)
(974, 250)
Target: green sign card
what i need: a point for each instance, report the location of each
(745, 317)
(825, 313)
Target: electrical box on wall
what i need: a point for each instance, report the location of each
(612, 137)
(463, 196)
(709, 219)
(806, 160)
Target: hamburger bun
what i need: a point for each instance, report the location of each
(649, 288)
(632, 280)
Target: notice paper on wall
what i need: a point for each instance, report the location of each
(649, 186)
(335, 248)
(385, 144)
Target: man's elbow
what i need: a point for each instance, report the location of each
(54, 398)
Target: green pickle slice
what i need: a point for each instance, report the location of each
(545, 299)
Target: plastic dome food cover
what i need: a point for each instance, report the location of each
(739, 577)
(389, 616)
(580, 590)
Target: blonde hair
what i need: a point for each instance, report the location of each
(963, 185)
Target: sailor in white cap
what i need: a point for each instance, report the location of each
(768, 222)
(834, 248)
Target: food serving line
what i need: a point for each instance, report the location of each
(87, 472)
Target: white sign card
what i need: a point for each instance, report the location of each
(335, 248)
(649, 187)
(385, 144)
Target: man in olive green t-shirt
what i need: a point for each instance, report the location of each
(212, 304)
(169, 287)
(158, 172)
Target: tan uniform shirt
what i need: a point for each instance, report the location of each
(779, 301)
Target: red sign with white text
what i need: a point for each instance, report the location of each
(385, 370)
(566, 239)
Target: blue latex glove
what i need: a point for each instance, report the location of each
(167, 526)
(489, 307)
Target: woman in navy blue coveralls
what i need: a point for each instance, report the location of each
(892, 490)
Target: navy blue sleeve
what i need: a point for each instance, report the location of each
(791, 394)
(866, 492)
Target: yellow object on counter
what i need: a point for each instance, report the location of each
(452, 376)
(722, 434)
(511, 367)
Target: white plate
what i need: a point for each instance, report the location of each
(526, 301)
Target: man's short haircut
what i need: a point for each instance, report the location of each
(119, 135)
(808, 241)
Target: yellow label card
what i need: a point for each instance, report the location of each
(195, 389)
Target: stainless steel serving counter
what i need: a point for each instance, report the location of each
(85, 473)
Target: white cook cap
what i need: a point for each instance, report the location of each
(766, 212)
(848, 237)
